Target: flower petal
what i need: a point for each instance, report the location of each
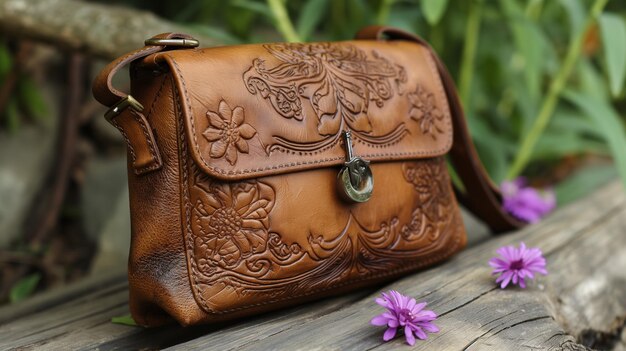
(212, 134)
(218, 148)
(242, 146)
(410, 338)
(215, 120)
(246, 131)
(238, 115)
(389, 334)
(420, 333)
(506, 279)
(430, 327)
(225, 111)
(231, 154)
(379, 320)
(381, 301)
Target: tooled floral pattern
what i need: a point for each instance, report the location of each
(338, 80)
(432, 185)
(424, 110)
(227, 132)
(234, 246)
(232, 221)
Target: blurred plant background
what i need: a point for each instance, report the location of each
(542, 82)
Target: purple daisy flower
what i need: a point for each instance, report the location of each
(515, 265)
(526, 203)
(404, 311)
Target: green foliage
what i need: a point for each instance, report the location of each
(541, 80)
(24, 287)
(433, 10)
(582, 182)
(609, 122)
(513, 60)
(25, 99)
(124, 320)
(311, 16)
(614, 32)
(30, 97)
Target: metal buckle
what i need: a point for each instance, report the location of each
(122, 105)
(187, 43)
(355, 179)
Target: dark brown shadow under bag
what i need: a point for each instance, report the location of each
(262, 176)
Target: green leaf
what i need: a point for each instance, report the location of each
(310, 16)
(529, 41)
(124, 320)
(5, 60)
(576, 13)
(555, 145)
(433, 10)
(592, 82)
(583, 182)
(257, 7)
(605, 116)
(613, 30)
(12, 116)
(31, 99)
(492, 148)
(24, 287)
(215, 32)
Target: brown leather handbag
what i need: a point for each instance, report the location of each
(262, 176)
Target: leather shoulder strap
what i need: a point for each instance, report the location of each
(125, 113)
(481, 196)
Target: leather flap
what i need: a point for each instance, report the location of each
(257, 110)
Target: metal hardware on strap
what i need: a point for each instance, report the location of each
(188, 43)
(122, 105)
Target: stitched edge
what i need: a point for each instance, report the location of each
(116, 66)
(187, 232)
(156, 159)
(223, 172)
(128, 144)
(156, 97)
(455, 236)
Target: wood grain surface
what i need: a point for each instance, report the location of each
(583, 299)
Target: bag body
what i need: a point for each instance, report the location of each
(262, 176)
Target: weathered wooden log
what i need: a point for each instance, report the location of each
(102, 30)
(582, 299)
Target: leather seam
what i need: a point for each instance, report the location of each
(456, 236)
(156, 98)
(155, 164)
(121, 62)
(125, 136)
(188, 236)
(223, 172)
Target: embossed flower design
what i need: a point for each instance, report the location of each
(424, 110)
(228, 133)
(233, 221)
(430, 182)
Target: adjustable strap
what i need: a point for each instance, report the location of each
(125, 113)
(481, 196)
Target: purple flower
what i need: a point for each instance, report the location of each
(526, 203)
(404, 311)
(517, 264)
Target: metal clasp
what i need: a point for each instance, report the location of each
(122, 105)
(188, 43)
(355, 179)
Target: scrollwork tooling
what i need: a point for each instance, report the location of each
(338, 82)
(233, 244)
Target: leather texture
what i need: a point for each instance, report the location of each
(243, 213)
